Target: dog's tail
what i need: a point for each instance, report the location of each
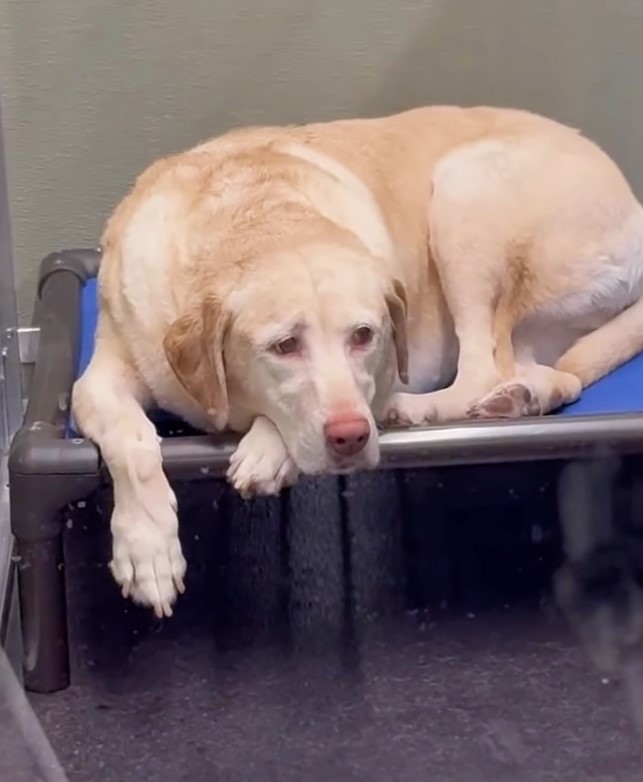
(599, 352)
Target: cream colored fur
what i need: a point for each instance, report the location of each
(287, 282)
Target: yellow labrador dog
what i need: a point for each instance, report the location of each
(300, 285)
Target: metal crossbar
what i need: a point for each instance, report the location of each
(10, 381)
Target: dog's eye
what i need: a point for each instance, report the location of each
(287, 347)
(362, 337)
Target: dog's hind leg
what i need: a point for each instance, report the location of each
(472, 256)
(537, 389)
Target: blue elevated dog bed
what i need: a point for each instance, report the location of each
(618, 393)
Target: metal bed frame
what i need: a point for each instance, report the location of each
(48, 469)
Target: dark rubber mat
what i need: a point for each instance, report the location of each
(381, 642)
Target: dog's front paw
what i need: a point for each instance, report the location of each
(261, 465)
(409, 410)
(508, 400)
(147, 561)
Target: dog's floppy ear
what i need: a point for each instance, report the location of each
(194, 349)
(397, 307)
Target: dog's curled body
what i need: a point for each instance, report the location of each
(301, 285)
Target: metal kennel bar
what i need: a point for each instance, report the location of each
(10, 385)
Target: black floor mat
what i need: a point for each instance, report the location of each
(327, 638)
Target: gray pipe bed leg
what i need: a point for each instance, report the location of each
(38, 497)
(43, 606)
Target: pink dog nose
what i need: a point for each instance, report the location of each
(347, 436)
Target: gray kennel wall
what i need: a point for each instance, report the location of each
(93, 90)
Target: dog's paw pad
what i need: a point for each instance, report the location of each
(153, 579)
(393, 418)
(263, 478)
(409, 410)
(147, 561)
(510, 400)
(261, 465)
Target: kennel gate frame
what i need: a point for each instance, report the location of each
(11, 405)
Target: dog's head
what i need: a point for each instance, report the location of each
(312, 339)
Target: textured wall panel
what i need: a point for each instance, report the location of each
(94, 90)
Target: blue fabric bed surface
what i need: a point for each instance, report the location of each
(618, 393)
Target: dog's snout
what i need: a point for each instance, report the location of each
(347, 436)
